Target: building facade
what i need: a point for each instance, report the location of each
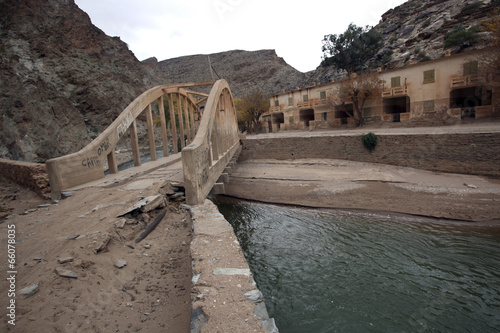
(448, 89)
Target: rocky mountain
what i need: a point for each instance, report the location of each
(62, 79)
(244, 70)
(416, 31)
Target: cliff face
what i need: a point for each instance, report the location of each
(244, 71)
(416, 31)
(63, 80)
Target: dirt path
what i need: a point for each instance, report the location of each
(150, 294)
(366, 186)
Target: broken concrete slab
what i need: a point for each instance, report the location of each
(145, 204)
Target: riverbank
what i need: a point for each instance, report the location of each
(341, 184)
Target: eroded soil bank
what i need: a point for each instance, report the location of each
(329, 183)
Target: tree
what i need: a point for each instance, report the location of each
(356, 90)
(250, 107)
(351, 50)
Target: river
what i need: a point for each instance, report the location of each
(338, 271)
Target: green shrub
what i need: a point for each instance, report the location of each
(471, 7)
(387, 58)
(460, 36)
(370, 141)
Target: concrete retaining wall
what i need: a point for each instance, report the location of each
(30, 175)
(471, 153)
(224, 294)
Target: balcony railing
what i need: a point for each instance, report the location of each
(465, 81)
(397, 91)
(276, 108)
(312, 103)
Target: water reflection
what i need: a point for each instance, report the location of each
(328, 271)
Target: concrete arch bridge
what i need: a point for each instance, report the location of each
(208, 143)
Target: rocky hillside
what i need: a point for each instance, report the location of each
(416, 31)
(244, 70)
(62, 79)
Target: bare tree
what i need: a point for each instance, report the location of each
(356, 90)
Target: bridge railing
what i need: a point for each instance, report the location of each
(88, 164)
(216, 142)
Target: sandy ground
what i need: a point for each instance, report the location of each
(150, 294)
(364, 186)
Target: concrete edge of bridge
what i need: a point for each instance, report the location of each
(224, 295)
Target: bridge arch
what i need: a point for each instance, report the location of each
(215, 144)
(87, 164)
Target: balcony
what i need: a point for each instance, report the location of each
(465, 81)
(397, 91)
(276, 108)
(312, 103)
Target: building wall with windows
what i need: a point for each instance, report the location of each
(448, 89)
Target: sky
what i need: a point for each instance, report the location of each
(168, 29)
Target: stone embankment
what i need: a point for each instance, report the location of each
(29, 175)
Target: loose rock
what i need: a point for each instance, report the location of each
(29, 291)
(121, 223)
(65, 260)
(63, 272)
(254, 296)
(102, 241)
(121, 263)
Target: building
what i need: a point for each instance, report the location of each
(448, 89)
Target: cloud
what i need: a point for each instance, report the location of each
(168, 29)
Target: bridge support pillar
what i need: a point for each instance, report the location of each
(112, 164)
(218, 189)
(224, 178)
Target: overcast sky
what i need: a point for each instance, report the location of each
(168, 29)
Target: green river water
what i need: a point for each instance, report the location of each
(336, 271)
